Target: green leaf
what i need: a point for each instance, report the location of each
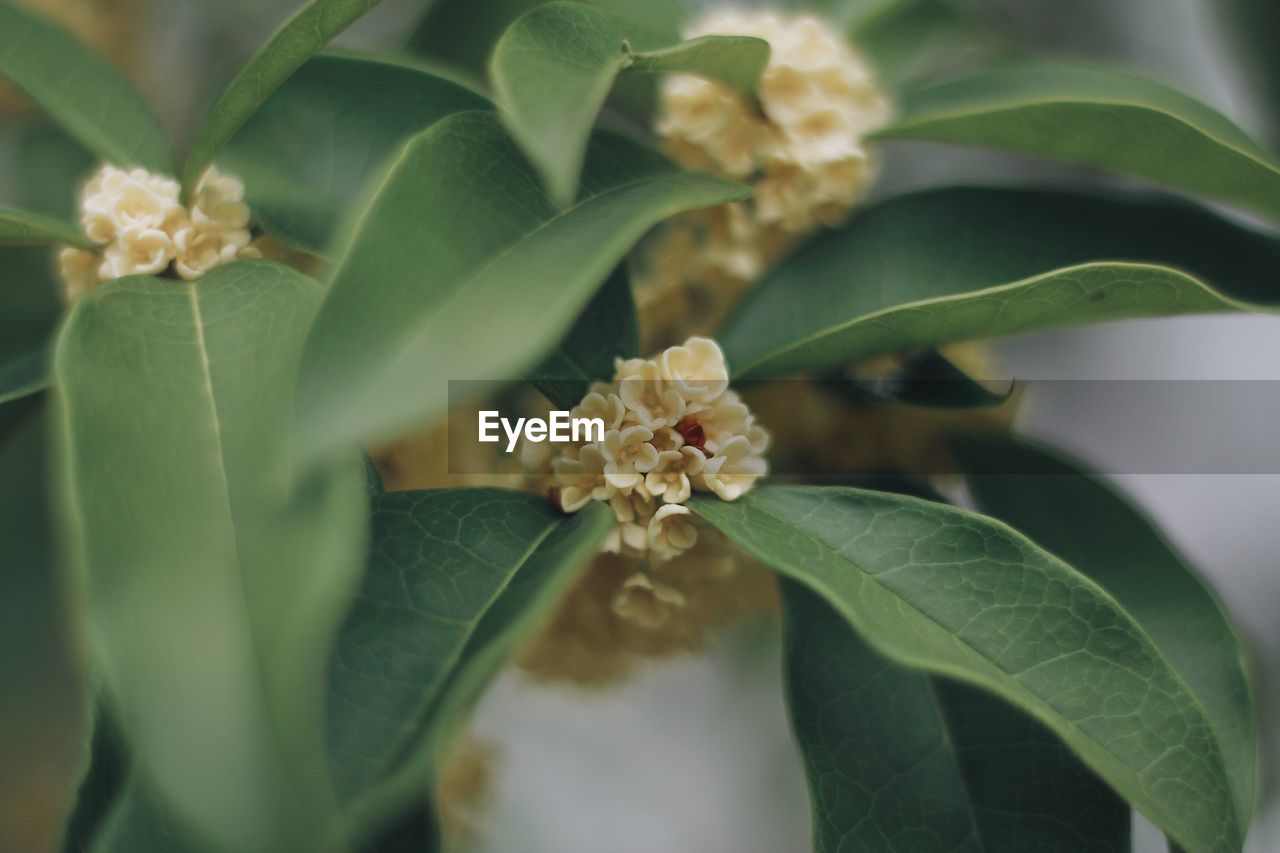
(42, 704)
(959, 264)
(29, 310)
(1077, 516)
(607, 329)
(54, 167)
(897, 760)
(455, 578)
(909, 39)
(1098, 119)
(954, 593)
(298, 39)
(462, 34)
(19, 227)
(460, 238)
(554, 67)
(23, 375)
(307, 153)
(737, 61)
(216, 577)
(81, 91)
(102, 786)
(1250, 23)
(139, 823)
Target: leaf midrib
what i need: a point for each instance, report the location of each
(273, 722)
(864, 575)
(402, 753)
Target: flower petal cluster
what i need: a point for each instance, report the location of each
(144, 229)
(800, 141)
(803, 148)
(672, 427)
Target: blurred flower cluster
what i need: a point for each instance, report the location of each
(799, 143)
(144, 229)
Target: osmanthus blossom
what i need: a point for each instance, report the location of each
(143, 228)
(674, 427)
(645, 602)
(799, 140)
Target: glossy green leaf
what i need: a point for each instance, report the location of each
(455, 578)
(461, 238)
(899, 761)
(554, 67)
(1081, 519)
(308, 152)
(19, 227)
(955, 593)
(1099, 119)
(29, 310)
(216, 577)
(42, 701)
(605, 330)
(298, 39)
(959, 264)
(81, 91)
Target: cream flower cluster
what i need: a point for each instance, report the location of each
(144, 229)
(803, 148)
(671, 426)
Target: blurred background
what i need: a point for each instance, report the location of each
(694, 755)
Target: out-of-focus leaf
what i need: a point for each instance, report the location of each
(81, 91)
(1081, 519)
(42, 701)
(102, 786)
(1099, 119)
(1253, 23)
(306, 154)
(216, 574)
(554, 67)
(900, 761)
(23, 375)
(462, 34)
(926, 379)
(29, 311)
(955, 593)
(301, 37)
(54, 166)
(20, 227)
(605, 330)
(455, 578)
(910, 39)
(735, 60)
(461, 238)
(958, 264)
